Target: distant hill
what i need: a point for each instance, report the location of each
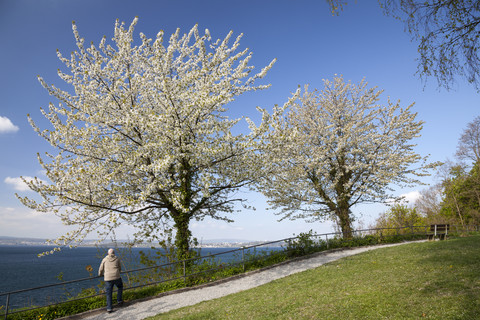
(17, 241)
(224, 241)
(22, 241)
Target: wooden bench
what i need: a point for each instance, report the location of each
(439, 231)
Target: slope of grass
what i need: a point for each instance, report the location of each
(432, 280)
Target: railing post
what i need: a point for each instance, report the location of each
(6, 306)
(326, 239)
(435, 232)
(243, 258)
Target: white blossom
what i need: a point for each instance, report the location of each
(332, 149)
(143, 137)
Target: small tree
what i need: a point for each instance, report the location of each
(469, 143)
(337, 148)
(461, 194)
(143, 138)
(400, 216)
(429, 204)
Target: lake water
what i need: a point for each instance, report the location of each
(20, 268)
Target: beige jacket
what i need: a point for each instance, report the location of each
(110, 268)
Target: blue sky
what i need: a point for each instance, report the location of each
(309, 43)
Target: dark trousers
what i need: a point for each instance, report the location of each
(109, 288)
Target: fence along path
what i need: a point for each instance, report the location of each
(412, 230)
(175, 300)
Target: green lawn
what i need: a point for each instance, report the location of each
(431, 280)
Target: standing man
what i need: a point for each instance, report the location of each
(110, 269)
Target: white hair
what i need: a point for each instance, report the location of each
(111, 251)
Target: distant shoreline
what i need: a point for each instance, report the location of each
(221, 243)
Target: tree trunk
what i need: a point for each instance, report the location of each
(182, 236)
(343, 215)
(181, 218)
(458, 209)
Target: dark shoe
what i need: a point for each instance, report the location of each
(109, 311)
(119, 304)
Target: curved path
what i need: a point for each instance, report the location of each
(138, 310)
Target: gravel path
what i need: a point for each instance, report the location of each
(191, 296)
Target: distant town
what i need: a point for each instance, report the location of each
(219, 243)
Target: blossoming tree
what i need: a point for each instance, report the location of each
(336, 148)
(143, 138)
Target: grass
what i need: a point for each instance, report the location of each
(432, 280)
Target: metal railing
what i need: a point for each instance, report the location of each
(183, 269)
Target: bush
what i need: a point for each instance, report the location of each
(303, 244)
